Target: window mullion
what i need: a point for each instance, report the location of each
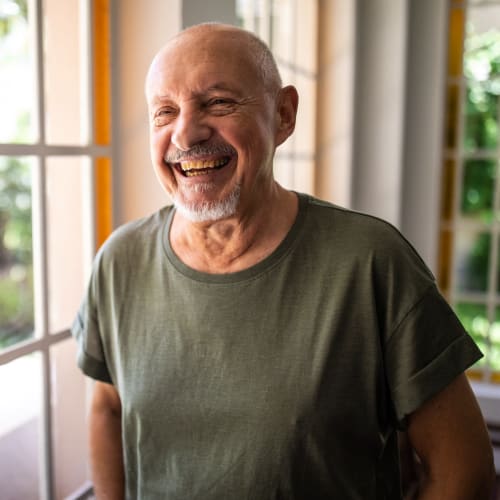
(265, 21)
(492, 286)
(37, 24)
(40, 265)
(29, 347)
(41, 318)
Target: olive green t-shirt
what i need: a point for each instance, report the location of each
(286, 380)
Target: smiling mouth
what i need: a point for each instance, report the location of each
(200, 167)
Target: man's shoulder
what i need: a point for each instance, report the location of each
(346, 222)
(358, 236)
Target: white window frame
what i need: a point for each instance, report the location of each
(43, 339)
(490, 298)
(298, 154)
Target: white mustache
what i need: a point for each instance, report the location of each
(199, 151)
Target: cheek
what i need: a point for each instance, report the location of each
(158, 144)
(165, 177)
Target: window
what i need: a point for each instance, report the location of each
(55, 161)
(277, 23)
(469, 256)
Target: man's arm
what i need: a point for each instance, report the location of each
(450, 437)
(106, 456)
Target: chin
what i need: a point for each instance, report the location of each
(207, 211)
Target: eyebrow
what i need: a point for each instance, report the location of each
(216, 87)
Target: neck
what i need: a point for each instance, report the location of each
(236, 243)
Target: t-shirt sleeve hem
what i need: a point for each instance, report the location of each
(90, 365)
(93, 368)
(440, 372)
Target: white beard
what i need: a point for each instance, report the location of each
(208, 210)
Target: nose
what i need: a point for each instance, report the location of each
(189, 129)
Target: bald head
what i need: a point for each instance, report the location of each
(223, 41)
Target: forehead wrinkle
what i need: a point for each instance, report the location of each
(212, 88)
(223, 87)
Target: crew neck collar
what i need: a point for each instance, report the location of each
(251, 272)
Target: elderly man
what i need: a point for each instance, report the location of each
(254, 343)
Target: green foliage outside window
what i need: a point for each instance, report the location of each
(16, 267)
(482, 71)
(474, 319)
(481, 132)
(479, 189)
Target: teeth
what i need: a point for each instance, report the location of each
(193, 173)
(200, 165)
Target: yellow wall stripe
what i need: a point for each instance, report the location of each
(102, 70)
(103, 200)
(456, 41)
(102, 119)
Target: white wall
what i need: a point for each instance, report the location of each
(383, 102)
(198, 11)
(379, 107)
(423, 140)
(140, 29)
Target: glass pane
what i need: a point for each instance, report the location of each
(478, 189)
(306, 31)
(20, 393)
(481, 120)
(284, 171)
(494, 357)
(482, 70)
(17, 75)
(481, 45)
(16, 255)
(282, 28)
(68, 215)
(305, 131)
(475, 320)
(66, 99)
(472, 257)
(498, 267)
(245, 13)
(69, 427)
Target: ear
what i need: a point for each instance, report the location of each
(286, 113)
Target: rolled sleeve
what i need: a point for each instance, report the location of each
(90, 357)
(427, 350)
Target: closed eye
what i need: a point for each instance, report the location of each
(163, 116)
(219, 101)
(220, 106)
(164, 112)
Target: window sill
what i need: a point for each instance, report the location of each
(488, 396)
